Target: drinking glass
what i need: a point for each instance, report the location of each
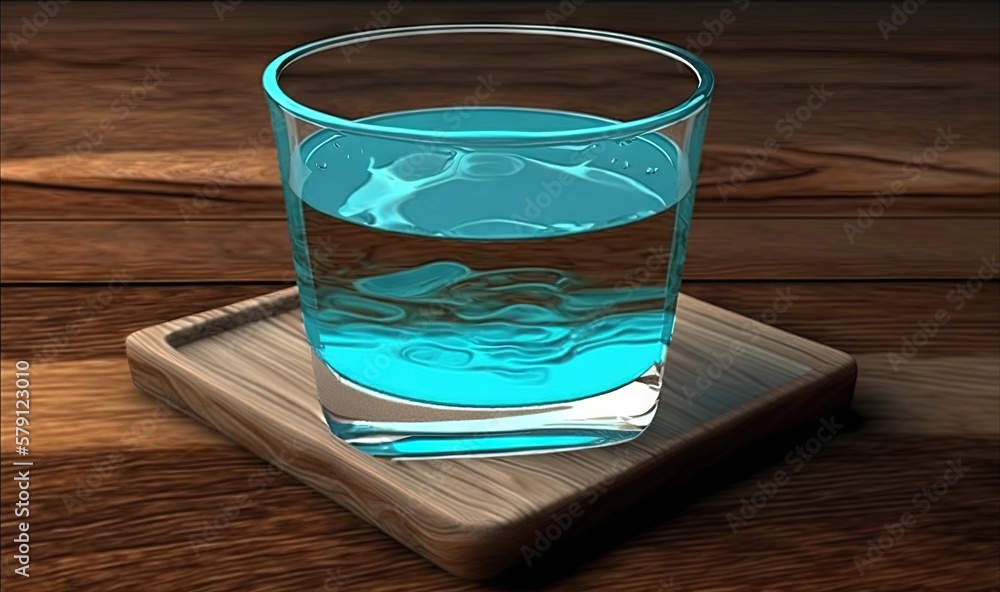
(488, 227)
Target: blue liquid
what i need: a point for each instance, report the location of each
(490, 277)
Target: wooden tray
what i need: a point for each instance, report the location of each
(244, 370)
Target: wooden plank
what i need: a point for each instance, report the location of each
(929, 394)
(824, 498)
(92, 405)
(766, 59)
(47, 324)
(868, 317)
(203, 364)
(285, 535)
(257, 250)
(940, 69)
(202, 251)
(808, 183)
(829, 167)
(54, 323)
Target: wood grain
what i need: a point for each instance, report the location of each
(186, 184)
(127, 530)
(213, 366)
(287, 537)
(257, 250)
(82, 394)
(765, 62)
(76, 325)
(286, 525)
(831, 165)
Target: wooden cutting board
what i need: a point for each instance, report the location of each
(244, 370)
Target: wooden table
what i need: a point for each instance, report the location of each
(125, 496)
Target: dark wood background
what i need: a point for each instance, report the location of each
(119, 490)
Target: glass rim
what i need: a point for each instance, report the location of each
(695, 102)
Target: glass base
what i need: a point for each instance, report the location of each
(381, 425)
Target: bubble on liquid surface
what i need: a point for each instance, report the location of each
(321, 166)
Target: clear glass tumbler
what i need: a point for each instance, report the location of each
(488, 226)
